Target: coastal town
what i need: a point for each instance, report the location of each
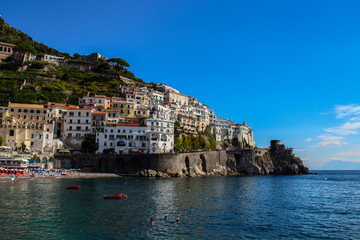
(139, 120)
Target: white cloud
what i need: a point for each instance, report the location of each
(347, 128)
(305, 159)
(355, 119)
(308, 139)
(347, 110)
(329, 141)
(354, 152)
(299, 150)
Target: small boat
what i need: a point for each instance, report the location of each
(72, 187)
(116, 196)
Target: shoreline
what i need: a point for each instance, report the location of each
(7, 179)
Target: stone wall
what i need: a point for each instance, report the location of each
(242, 162)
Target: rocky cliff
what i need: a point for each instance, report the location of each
(276, 160)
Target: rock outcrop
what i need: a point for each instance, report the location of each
(276, 160)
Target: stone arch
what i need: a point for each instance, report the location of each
(37, 160)
(51, 163)
(203, 163)
(119, 165)
(135, 164)
(44, 163)
(187, 164)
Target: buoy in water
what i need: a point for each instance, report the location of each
(72, 187)
(116, 196)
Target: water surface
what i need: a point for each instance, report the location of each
(323, 206)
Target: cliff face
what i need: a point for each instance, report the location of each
(264, 162)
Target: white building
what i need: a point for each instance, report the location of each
(77, 124)
(151, 136)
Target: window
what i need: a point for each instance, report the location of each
(104, 143)
(32, 135)
(19, 110)
(11, 133)
(124, 131)
(78, 120)
(25, 110)
(87, 114)
(32, 111)
(130, 144)
(79, 114)
(70, 128)
(12, 110)
(37, 111)
(130, 131)
(70, 120)
(87, 121)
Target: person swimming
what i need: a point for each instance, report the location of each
(151, 221)
(166, 218)
(178, 220)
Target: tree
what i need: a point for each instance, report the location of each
(24, 48)
(118, 64)
(76, 56)
(89, 144)
(23, 147)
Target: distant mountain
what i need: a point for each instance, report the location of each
(340, 165)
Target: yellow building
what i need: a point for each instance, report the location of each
(29, 124)
(124, 108)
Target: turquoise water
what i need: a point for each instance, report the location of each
(323, 206)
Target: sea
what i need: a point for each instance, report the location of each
(321, 206)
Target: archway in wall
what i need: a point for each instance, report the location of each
(203, 163)
(135, 164)
(44, 163)
(51, 163)
(119, 165)
(187, 164)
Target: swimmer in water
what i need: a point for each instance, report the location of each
(166, 218)
(178, 220)
(151, 221)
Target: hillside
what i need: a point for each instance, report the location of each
(40, 82)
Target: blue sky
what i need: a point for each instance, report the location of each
(290, 69)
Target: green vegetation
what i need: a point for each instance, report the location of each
(41, 82)
(89, 144)
(192, 142)
(1, 141)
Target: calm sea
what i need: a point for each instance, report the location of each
(323, 206)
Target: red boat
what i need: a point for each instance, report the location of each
(73, 187)
(116, 196)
